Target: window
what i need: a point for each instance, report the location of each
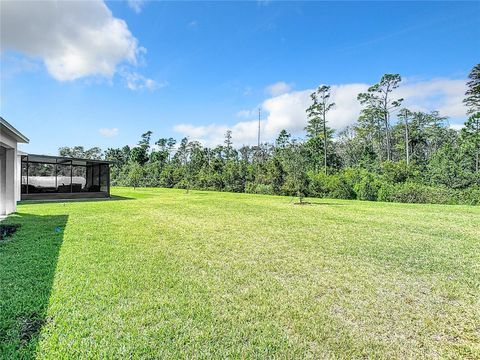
(41, 178)
(24, 177)
(104, 174)
(64, 179)
(79, 178)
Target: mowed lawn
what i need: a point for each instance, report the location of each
(160, 273)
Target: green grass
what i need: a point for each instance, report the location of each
(164, 274)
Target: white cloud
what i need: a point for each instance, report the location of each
(278, 88)
(457, 127)
(135, 81)
(442, 94)
(108, 132)
(247, 113)
(244, 132)
(136, 5)
(74, 39)
(287, 111)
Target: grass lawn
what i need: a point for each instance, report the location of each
(164, 274)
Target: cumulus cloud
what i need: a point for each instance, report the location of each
(135, 81)
(136, 5)
(74, 39)
(442, 94)
(108, 132)
(278, 88)
(287, 111)
(245, 132)
(247, 113)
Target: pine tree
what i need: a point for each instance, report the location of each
(405, 116)
(471, 132)
(378, 101)
(472, 99)
(317, 118)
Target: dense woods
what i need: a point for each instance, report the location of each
(390, 154)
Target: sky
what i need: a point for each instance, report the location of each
(97, 73)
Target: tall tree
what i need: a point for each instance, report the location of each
(471, 132)
(472, 96)
(317, 117)
(282, 139)
(370, 131)
(145, 139)
(228, 144)
(294, 162)
(181, 156)
(171, 142)
(405, 116)
(135, 174)
(379, 98)
(140, 153)
(80, 152)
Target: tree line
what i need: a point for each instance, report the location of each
(391, 153)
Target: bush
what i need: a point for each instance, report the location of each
(263, 189)
(411, 193)
(386, 192)
(470, 196)
(398, 172)
(417, 193)
(340, 187)
(319, 184)
(367, 188)
(336, 186)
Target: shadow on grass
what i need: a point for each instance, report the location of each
(47, 201)
(327, 203)
(28, 261)
(308, 202)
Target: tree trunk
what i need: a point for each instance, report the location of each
(478, 150)
(387, 135)
(407, 145)
(476, 162)
(324, 143)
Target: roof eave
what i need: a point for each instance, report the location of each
(19, 137)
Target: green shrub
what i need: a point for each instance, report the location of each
(398, 172)
(335, 186)
(411, 193)
(318, 184)
(417, 193)
(367, 188)
(470, 196)
(254, 188)
(340, 187)
(386, 192)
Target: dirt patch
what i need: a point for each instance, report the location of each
(7, 230)
(30, 326)
(302, 203)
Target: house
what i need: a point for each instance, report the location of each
(39, 177)
(9, 167)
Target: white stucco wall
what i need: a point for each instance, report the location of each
(9, 180)
(2, 181)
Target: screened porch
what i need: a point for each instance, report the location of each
(53, 177)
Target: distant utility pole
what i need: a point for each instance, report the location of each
(258, 141)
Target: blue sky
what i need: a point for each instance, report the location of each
(198, 68)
